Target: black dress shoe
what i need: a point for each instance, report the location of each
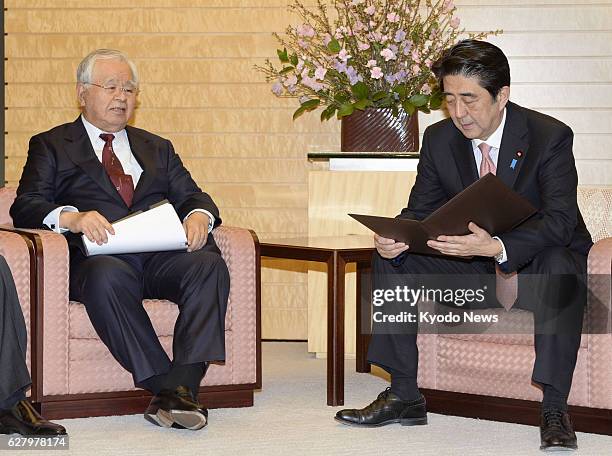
(25, 420)
(177, 409)
(386, 409)
(556, 431)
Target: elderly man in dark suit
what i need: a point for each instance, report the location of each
(532, 154)
(82, 176)
(17, 415)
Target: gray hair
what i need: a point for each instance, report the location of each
(85, 68)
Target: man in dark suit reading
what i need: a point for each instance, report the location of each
(82, 176)
(532, 154)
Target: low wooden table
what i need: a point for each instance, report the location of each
(336, 252)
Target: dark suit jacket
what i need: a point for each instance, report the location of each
(545, 174)
(62, 169)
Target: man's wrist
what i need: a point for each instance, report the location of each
(499, 252)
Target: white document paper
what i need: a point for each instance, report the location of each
(155, 230)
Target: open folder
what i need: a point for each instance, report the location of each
(488, 202)
(154, 230)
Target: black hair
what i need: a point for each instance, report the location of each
(474, 58)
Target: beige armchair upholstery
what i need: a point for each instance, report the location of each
(79, 377)
(16, 251)
(500, 364)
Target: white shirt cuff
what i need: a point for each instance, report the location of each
(211, 218)
(504, 257)
(52, 218)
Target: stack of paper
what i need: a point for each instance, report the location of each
(155, 230)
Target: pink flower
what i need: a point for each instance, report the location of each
(305, 30)
(428, 63)
(370, 10)
(447, 6)
(311, 83)
(377, 36)
(376, 73)
(303, 44)
(277, 88)
(290, 81)
(426, 89)
(371, 63)
(416, 56)
(320, 73)
(359, 26)
(362, 46)
(416, 70)
(393, 17)
(387, 54)
(344, 55)
(455, 21)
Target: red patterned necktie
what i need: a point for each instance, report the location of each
(122, 182)
(505, 284)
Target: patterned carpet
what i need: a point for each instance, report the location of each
(290, 417)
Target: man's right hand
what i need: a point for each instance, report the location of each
(92, 224)
(388, 248)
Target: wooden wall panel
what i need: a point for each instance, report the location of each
(195, 59)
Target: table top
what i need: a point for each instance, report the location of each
(348, 242)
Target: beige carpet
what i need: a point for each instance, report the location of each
(290, 418)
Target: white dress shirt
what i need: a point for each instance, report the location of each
(121, 148)
(495, 142)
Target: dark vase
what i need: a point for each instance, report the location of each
(378, 130)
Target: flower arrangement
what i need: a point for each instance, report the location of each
(377, 53)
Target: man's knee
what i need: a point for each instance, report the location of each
(101, 275)
(207, 263)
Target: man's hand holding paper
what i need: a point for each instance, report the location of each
(388, 248)
(196, 230)
(91, 223)
(155, 230)
(478, 243)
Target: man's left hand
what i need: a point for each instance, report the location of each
(196, 229)
(478, 243)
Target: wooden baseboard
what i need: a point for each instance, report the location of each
(585, 419)
(134, 402)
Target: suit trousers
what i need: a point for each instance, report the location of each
(112, 288)
(14, 376)
(552, 286)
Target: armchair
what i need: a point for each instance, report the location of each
(486, 367)
(76, 375)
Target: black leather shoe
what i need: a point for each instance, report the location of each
(556, 431)
(176, 409)
(386, 409)
(25, 420)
